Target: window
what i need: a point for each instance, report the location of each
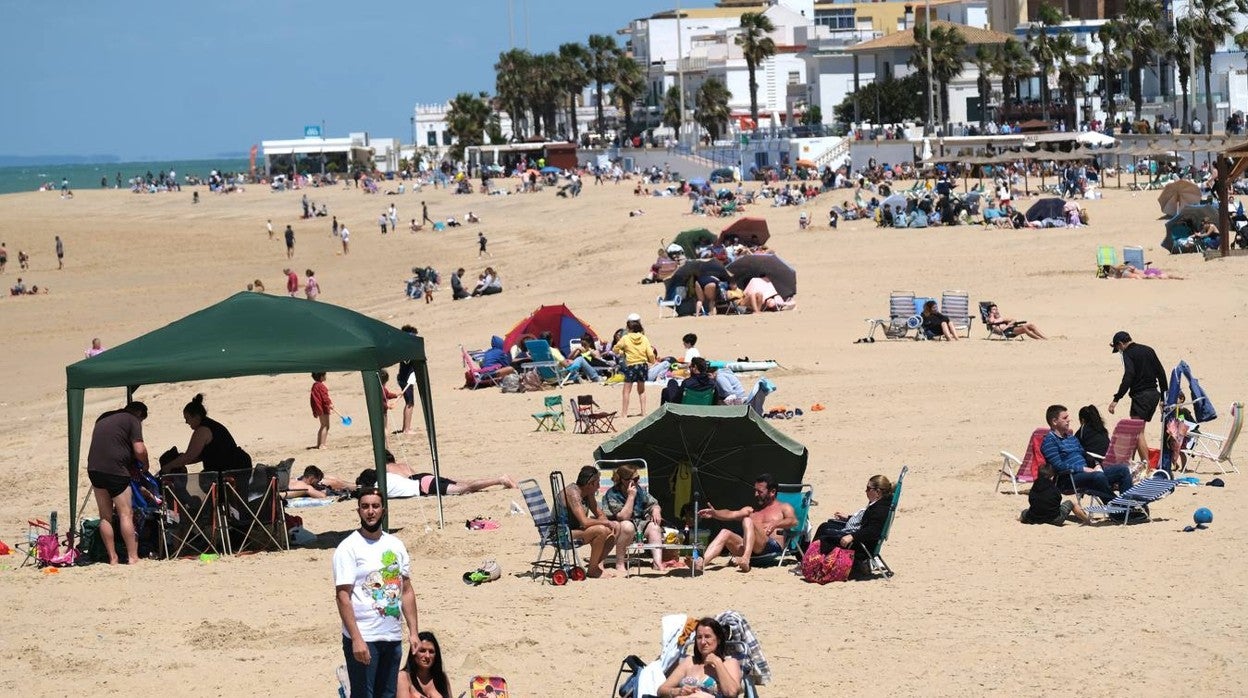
(432, 138)
(447, 137)
(793, 77)
(836, 19)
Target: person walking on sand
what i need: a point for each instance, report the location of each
(1142, 376)
(346, 238)
(290, 241)
(311, 288)
(4, 258)
(374, 596)
(424, 214)
(116, 446)
(481, 241)
(60, 253)
(333, 229)
(269, 227)
(321, 407)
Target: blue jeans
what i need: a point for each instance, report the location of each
(580, 364)
(1096, 484)
(1118, 476)
(380, 677)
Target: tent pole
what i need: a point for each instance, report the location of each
(73, 409)
(426, 405)
(373, 398)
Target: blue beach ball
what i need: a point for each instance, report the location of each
(1203, 516)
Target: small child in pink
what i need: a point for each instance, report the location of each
(321, 407)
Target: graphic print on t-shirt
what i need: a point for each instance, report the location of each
(385, 586)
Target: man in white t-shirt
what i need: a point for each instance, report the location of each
(373, 589)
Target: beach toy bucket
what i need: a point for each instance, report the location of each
(346, 421)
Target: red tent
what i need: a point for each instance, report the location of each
(562, 325)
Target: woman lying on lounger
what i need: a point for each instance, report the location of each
(401, 481)
(1009, 327)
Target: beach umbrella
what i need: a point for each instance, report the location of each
(1177, 194)
(749, 230)
(692, 269)
(550, 169)
(1186, 221)
(809, 164)
(713, 451)
(895, 202)
(782, 276)
(690, 240)
(1047, 208)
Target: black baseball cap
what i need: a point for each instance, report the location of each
(1119, 338)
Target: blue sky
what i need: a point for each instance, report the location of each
(188, 78)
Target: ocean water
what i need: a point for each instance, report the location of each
(22, 178)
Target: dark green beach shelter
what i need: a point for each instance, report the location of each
(692, 239)
(716, 451)
(252, 334)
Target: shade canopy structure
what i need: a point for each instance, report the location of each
(561, 323)
(748, 230)
(690, 240)
(782, 275)
(1047, 208)
(1177, 194)
(715, 451)
(252, 334)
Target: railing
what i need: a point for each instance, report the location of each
(832, 156)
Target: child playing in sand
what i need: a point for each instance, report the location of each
(321, 407)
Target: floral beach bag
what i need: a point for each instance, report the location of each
(821, 568)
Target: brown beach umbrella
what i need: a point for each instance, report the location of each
(1177, 194)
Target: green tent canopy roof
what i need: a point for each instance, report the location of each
(250, 334)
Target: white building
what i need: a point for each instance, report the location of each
(315, 154)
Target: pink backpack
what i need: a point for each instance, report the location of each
(833, 567)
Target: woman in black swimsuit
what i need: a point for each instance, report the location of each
(210, 443)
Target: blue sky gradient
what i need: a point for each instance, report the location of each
(150, 80)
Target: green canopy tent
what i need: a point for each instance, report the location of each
(715, 451)
(693, 239)
(255, 334)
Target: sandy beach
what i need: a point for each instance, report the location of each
(980, 604)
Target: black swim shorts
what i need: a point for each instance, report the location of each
(1144, 405)
(114, 484)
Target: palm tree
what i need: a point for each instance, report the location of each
(1178, 51)
(984, 61)
(671, 107)
(573, 59)
(1139, 31)
(1040, 46)
(1011, 63)
(603, 54)
(466, 120)
(630, 86)
(511, 74)
(947, 46)
(756, 47)
(1072, 71)
(1212, 22)
(545, 87)
(1111, 62)
(711, 106)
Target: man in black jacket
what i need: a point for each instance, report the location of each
(1143, 377)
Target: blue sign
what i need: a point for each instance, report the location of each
(311, 131)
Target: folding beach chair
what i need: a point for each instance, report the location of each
(551, 416)
(1122, 445)
(1015, 471)
(678, 297)
(488, 687)
(1106, 256)
(543, 361)
(590, 418)
(705, 396)
(474, 375)
(874, 564)
(191, 515)
(997, 331)
(637, 679)
(758, 395)
(796, 538)
(1137, 498)
(251, 511)
(901, 317)
(1213, 448)
(956, 305)
(563, 564)
(1134, 256)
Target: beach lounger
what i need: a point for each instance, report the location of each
(637, 679)
(474, 375)
(1122, 445)
(1106, 256)
(1136, 500)
(1020, 472)
(1134, 256)
(900, 320)
(997, 331)
(870, 563)
(1213, 448)
(551, 416)
(956, 305)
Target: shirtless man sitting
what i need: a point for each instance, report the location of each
(589, 524)
(763, 526)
